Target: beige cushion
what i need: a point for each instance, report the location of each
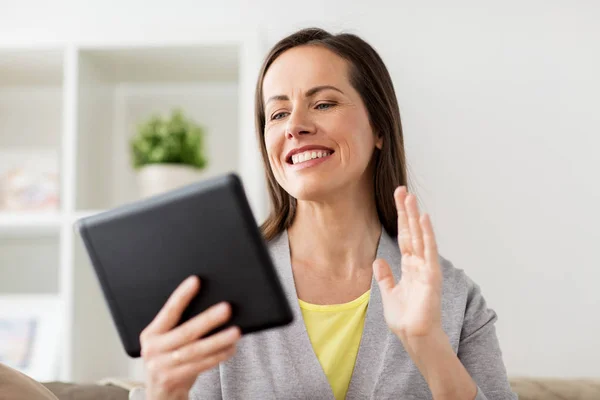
(17, 386)
(72, 391)
(555, 389)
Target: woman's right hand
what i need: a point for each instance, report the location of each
(175, 356)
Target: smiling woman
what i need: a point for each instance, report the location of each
(311, 104)
(379, 314)
(340, 86)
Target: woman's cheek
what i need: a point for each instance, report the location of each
(270, 146)
(271, 138)
(276, 166)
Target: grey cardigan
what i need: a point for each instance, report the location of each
(280, 363)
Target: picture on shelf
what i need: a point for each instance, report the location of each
(16, 341)
(30, 330)
(28, 180)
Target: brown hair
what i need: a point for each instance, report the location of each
(371, 79)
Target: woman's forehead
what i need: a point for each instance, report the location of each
(302, 68)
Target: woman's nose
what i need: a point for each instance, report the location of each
(298, 124)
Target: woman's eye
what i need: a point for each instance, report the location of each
(323, 106)
(279, 115)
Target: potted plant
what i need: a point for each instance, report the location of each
(167, 153)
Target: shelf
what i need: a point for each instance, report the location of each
(30, 117)
(42, 67)
(31, 223)
(92, 324)
(29, 247)
(78, 106)
(43, 315)
(31, 121)
(31, 262)
(165, 64)
(120, 88)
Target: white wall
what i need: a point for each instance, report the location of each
(500, 111)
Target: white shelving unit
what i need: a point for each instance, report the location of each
(84, 100)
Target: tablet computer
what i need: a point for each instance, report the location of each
(143, 250)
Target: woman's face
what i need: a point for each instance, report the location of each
(317, 131)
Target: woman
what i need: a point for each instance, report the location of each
(377, 317)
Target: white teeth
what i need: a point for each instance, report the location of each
(309, 155)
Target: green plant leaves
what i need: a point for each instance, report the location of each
(175, 140)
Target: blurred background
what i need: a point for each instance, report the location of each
(500, 110)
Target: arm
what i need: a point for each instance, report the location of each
(413, 311)
(446, 376)
(477, 371)
(479, 349)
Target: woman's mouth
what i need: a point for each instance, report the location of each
(309, 155)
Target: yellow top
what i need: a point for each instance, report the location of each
(335, 332)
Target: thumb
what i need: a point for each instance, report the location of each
(383, 275)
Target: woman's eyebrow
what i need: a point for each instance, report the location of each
(309, 93)
(317, 89)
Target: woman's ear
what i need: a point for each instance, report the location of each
(379, 141)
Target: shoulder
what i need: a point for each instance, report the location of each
(277, 240)
(459, 291)
(459, 288)
(462, 296)
(278, 246)
(455, 278)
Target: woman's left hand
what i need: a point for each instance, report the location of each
(412, 307)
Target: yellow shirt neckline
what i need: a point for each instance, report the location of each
(336, 307)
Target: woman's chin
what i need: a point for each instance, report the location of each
(312, 190)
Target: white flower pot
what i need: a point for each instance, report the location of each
(154, 179)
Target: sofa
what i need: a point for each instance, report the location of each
(17, 386)
(556, 389)
(526, 388)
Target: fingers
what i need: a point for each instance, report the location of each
(175, 355)
(171, 312)
(404, 240)
(176, 370)
(410, 234)
(206, 348)
(193, 369)
(198, 349)
(213, 360)
(192, 329)
(383, 275)
(207, 363)
(416, 233)
(166, 377)
(430, 244)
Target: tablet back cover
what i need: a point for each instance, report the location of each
(142, 251)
